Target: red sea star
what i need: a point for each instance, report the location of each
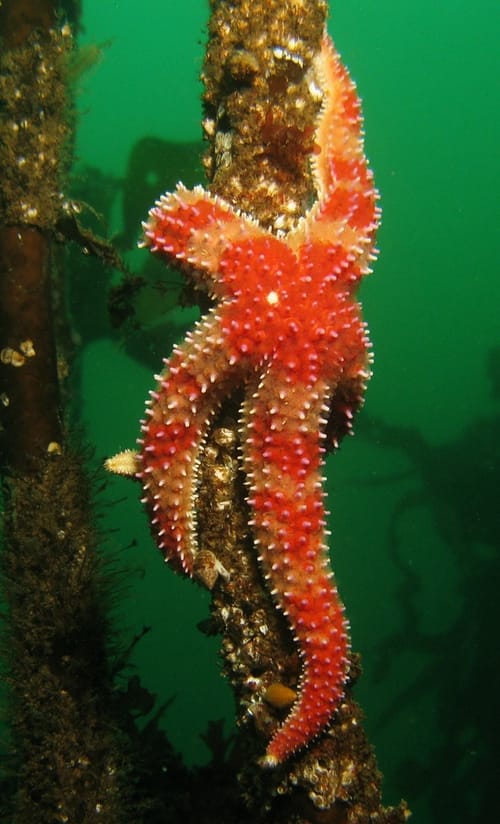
(284, 325)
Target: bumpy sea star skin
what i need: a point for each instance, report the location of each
(284, 325)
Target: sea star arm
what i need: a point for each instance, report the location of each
(283, 455)
(339, 131)
(348, 397)
(187, 396)
(195, 228)
(345, 216)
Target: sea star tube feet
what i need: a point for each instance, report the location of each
(286, 327)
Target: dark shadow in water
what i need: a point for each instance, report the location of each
(155, 166)
(458, 484)
(135, 307)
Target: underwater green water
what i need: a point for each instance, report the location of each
(414, 496)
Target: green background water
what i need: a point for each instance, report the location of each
(414, 495)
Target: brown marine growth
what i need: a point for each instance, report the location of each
(65, 761)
